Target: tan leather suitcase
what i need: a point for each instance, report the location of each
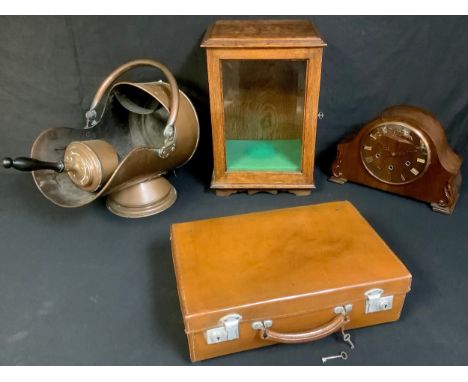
(290, 275)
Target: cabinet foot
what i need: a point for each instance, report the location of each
(225, 192)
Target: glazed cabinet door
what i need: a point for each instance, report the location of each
(263, 102)
(264, 115)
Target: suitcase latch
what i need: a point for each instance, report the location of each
(227, 330)
(376, 302)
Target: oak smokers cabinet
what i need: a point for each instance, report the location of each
(264, 82)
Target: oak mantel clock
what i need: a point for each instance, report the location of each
(404, 151)
(264, 81)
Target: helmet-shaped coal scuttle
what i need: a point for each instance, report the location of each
(134, 134)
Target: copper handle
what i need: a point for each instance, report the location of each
(102, 90)
(315, 334)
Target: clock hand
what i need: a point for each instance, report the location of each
(403, 140)
(398, 154)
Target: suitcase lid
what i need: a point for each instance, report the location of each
(279, 263)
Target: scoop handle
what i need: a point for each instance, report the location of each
(31, 164)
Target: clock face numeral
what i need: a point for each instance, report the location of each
(400, 154)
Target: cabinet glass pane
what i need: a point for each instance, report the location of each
(263, 114)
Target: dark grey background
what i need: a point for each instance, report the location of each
(82, 286)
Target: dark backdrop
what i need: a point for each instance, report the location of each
(82, 286)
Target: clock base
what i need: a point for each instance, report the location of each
(403, 151)
(442, 210)
(338, 180)
(450, 198)
(447, 210)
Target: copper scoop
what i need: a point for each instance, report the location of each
(89, 164)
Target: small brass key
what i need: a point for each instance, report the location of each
(343, 355)
(347, 338)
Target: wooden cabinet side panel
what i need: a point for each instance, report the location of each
(314, 68)
(217, 112)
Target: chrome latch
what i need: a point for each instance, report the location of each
(227, 330)
(257, 325)
(376, 302)
(343, 309)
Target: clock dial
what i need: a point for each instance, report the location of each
(395, 153)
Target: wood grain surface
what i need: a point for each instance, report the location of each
(262, 33)
(263, 99)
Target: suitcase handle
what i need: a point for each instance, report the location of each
(312, 335)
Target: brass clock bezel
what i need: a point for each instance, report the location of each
(405, 125)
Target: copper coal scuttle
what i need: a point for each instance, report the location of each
(134, 134)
